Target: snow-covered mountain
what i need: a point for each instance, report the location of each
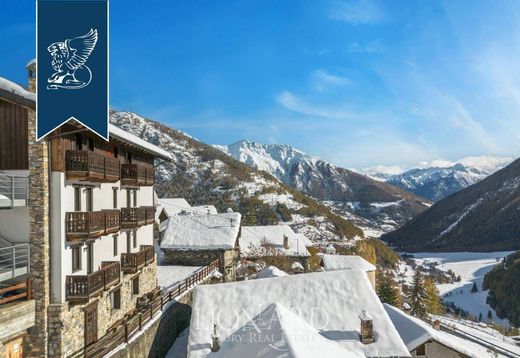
(204, 175)
(437, 183)
(482, 217)
(365, 201)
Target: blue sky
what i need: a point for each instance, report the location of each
(358, 83)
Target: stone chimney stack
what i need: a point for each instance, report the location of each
(437, 325)
(31, 69)
(285, 242)
(215, 345)
(367, 328)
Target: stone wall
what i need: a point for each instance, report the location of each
(66, 321)
(228, 260)
(39, 238)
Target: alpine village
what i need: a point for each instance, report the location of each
(154, 244)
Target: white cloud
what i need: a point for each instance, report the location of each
(356, 12)
(323, 80)
(374, 47)
(486, 163)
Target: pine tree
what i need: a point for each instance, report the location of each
(417, 296)
(387, 291)
(480, 317)
(433, 299)
(474, 288)
(490, 316)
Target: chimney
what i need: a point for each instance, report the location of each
(367, 328)
(437, 325)
(31, 70)
(215, 345)
(285, 242)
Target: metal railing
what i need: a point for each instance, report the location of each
(14, 190)
(14, 261)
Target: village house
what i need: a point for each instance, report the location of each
(429, 341)
(275, 241)
(349, 262)
(198, 240)
(323, 314)
(168, 207)
(17, 310)
(89, 225)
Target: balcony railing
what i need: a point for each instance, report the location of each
(91, 224)
(87, 165)
(80, 288)
(135, 217)
(149, 253)
(132, 262)
(14, 190)
(14, 260)
(137, 174)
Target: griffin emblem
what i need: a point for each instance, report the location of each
(68, 60)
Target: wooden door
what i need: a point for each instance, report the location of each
(91, 323)
(14, 348)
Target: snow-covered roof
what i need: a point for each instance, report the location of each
(127, 137)
(346, 262)
(204, 209)
(415, 332)
(175, 206)
(201, 232)
(16, 90)
(253, 236)
(330, 302)
(291, 336)
(271, 271)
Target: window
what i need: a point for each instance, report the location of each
(128, 157)
(76, 258)
(114, 197)
(128, 198)
(421, 350)
(79, 142)
(91, 144)
(115, 245)
(128, 247)
(90, 257)
(134, 237)
(115, 299)
(77, 198)
(135, 286)
(116, 152)
(134, 193)
(90, 199)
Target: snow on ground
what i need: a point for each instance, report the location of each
(169, 276)
(471, 266)
(179, 348)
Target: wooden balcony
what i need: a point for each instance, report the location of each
(91, 224)
(149, 253)
(132, 262)
(89, 166)
(134, 217)
(137, 174)
(81, 288)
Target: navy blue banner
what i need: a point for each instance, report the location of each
(72, 65)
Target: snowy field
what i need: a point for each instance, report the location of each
(471, 266)
(179, 349)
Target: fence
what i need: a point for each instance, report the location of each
(14, 190)
(124, 331)
(14, 261)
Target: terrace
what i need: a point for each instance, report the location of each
(137, 174)
(86, 165)
(80, 288)
(91, 224)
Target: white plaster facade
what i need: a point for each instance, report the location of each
(62, 201)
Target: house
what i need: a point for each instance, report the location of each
(328, 314)
(90, 229)
(175, 206)
(349, 262)
(197, 240)
(17, 309)
(424, 340)
(259, 242)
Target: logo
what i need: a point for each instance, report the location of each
(69, 60)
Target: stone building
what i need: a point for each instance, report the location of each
(197, 240)
(90, 231)
(275, 241)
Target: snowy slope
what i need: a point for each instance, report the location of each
(483, 217)
(204, 175)
(367, 202)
